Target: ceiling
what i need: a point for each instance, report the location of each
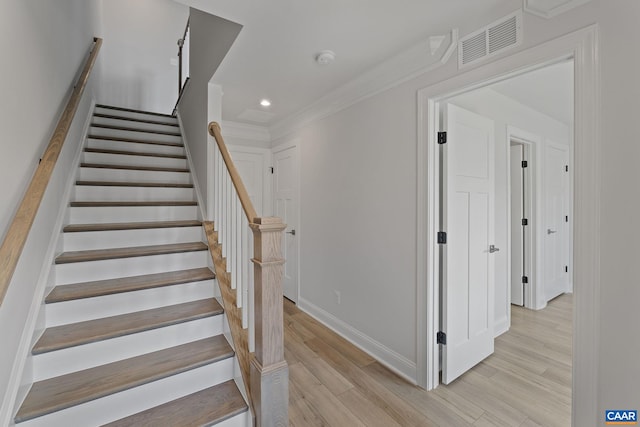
(548, 90)
(273, 57)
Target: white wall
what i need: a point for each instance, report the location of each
(358, 203)
(505, 112)
(44, 46)
(140, 40)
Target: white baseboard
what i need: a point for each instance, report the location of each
(501, 326)
(16, 393)
(383, 354)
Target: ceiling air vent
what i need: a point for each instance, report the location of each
(495, 38)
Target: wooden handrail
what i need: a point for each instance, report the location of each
(247, 206)
(19, 228)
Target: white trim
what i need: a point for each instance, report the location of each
(545, 11)
(14, 392)
(230, 129)
(194, 178)
(582, 46)
(403, 67)
(267, 181)
(383, 354)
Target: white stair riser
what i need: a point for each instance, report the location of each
(61, 362)
(123, 267)
(134, 160)
(240, 420)
(132, 146)
(96, 193)
(119, 405)
(131, 134)
(135, 124)
(92, 215)
(62, 313)
(125, 175)
(134, 115)
(88, 240)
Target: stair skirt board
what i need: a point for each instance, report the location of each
(133, 329)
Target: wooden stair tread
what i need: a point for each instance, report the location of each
(204, 408)
(134, 153)
(129, 252)
(132, 119)
(135, 141)
(133, 184)
(131, 110)
(134, 129)
(127, 284)
(89, 331)
(133, 203)
(112, 226)
(72, 389)
(135, 168)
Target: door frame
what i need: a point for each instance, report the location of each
(295, 144)
(582, 47)
(533, 143)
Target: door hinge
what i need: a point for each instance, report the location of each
(441, 338)
(524, 164)
(525, 279)
(271, 168)
(442, 237)
(525, 221)
(566, 218)
(566, 168)
(566, 268)
(442, 137)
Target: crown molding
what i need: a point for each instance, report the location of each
(405, 66)
(546, 10)
(231, 129)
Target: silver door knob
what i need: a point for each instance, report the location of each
(550, 231)
(292, 232)
(493, 249)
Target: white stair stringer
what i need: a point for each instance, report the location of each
(132, 185)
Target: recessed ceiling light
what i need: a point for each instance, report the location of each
(265, 102)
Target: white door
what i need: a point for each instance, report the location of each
(252, 166)
(517, 228)
(468, 218)
(556, 231)
(285, 191)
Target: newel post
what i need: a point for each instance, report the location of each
(269, 370)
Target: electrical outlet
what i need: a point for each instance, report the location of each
(338, 297)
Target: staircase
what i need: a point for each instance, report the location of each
(134, 332)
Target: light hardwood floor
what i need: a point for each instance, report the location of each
(526, 382)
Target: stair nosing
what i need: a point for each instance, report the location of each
(132, 119)
(130, 129)
(135, 141)
(131, 184)
(132, 110)
(116, 226)
(133, 153)
(134, 168)
(98, 288)
(131, 203)
(155, 322)
(102, 372)
(133, 252)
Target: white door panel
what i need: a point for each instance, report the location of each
(285, 190)
(468, 218)
(252, 169)
(517, 230)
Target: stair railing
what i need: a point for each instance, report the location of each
(18, 230)
(182, 81)
(252, 297)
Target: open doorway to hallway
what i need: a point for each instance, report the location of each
(506, 215)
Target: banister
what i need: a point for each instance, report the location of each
(245, 200)
(18, 230)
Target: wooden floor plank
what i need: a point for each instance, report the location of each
(80, 333)
(135, 129)
(113, 226)
(131, 110)
(130, 204)
(134, 153)
(128, 252)
(133, 167)
(126, 284)
(136, 120)
(204, 408)
(62, 392)
(132, 184)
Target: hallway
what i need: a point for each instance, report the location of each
(526, 382)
